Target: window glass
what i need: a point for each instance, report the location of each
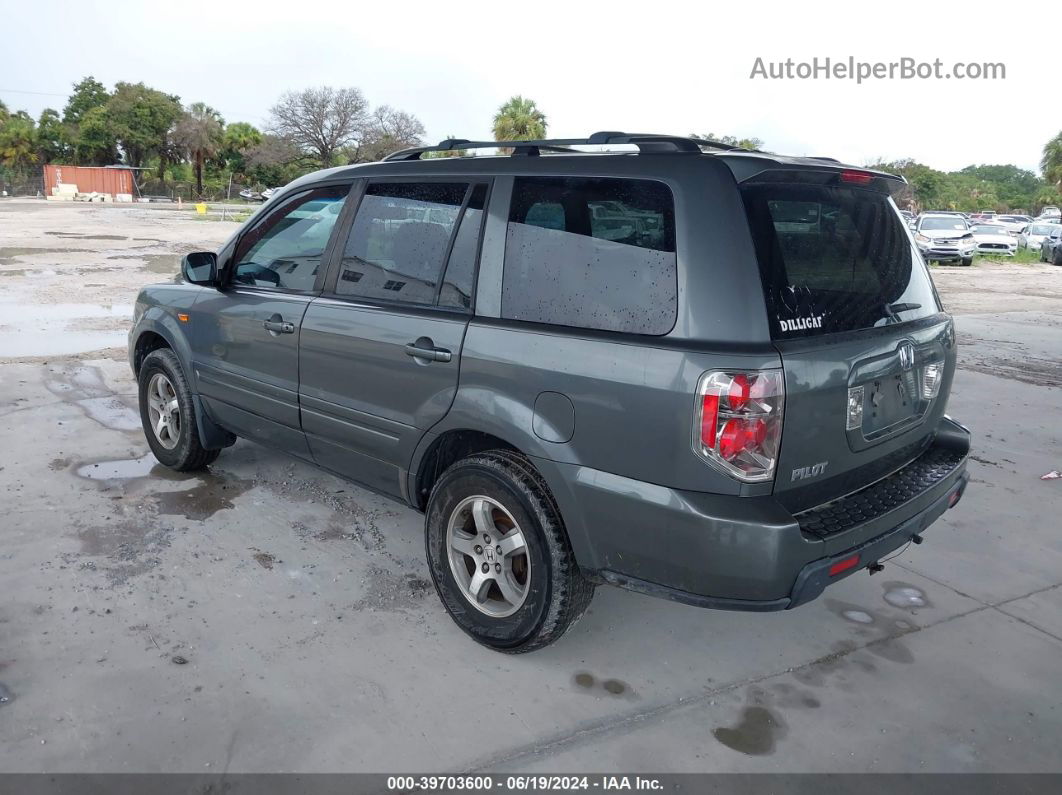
(461, 271)
(284, 250)
(591, 253)
(399, 240)
(836, 259)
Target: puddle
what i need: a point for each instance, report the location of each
(900, 594)
(756, 734)
(162, 263)
(86, 236)
(199, 503)
(858, 616)
(9, 253)
(43, 329)
(128, 469)
(83, 386)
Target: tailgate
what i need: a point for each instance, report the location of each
(867, 350)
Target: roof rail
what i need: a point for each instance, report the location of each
(646, 142)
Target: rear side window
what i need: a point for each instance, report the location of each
(834, 259)
(399, 240)
(591, 253)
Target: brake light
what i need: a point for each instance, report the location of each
(738, 422)
(856, 177)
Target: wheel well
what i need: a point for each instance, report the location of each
(146, 343)
(452, 446)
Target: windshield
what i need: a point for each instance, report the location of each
(834, 259)
(1041, 229)
(988, 229)
(953, 223)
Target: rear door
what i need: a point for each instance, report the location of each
(380, 349)
(867, 351)
(245, 337)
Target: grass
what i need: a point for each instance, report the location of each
(1021, 257)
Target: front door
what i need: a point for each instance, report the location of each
(380, 349)
(246, 336)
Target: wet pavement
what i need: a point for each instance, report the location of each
(264, 616)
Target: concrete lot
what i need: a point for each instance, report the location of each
(311, 637)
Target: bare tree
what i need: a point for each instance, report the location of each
(321, 121)
(387, 131)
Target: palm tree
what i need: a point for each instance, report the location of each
(18, 141)
(1051, 164)
(200, 132)
(519, 119)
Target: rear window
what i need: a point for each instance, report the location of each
(591, 253)
(835, 259)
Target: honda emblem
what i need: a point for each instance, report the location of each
(906, 356)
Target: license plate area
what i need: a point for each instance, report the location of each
(891, 403)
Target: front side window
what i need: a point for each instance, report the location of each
(591, 253)
(284, 250)
(399, 240)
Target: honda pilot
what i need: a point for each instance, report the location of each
(711, 375)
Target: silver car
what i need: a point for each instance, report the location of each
(1051, 247)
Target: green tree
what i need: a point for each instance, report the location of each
(88, 93)
(238, 139)
(52, 142)
(95, 143)
(18, 141)
(275, 161)
(142, 120)
(4, 113)
(1051, 164)
(519, 119)
(200, 133)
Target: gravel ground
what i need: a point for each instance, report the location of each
(268, 617)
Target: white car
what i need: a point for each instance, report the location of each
(994, 239)
(1035, 233)
(1013, 223)
(1050, 214)
(944, 238)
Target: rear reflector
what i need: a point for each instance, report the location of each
(844, 565)
(856, 177)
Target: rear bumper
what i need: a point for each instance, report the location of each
(749, 553)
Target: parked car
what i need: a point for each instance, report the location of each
(994, 239)
(1012, 223)
(1051, 214)
(563, 414)
(1051, 246)
(1034, 235)
(945, 237)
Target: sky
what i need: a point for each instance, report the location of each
(660, 67)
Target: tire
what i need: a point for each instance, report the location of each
(1057, 258)
(177, 446)
(967, 261)
(1042, 257)
(513, 503)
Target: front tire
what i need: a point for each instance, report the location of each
(499, 555)
(167, 413)
(967, 261)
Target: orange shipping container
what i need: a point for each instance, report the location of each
(89, 179)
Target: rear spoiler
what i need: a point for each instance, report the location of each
(814, 170)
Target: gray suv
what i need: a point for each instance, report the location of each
(709, 375)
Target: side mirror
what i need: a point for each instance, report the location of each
(200, 267)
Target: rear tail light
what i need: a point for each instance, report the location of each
(931, 374)
(738, 422)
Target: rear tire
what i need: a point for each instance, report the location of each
(522, 589)
(167, 413)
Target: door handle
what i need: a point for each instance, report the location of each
(279, 327)
(430, 353)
